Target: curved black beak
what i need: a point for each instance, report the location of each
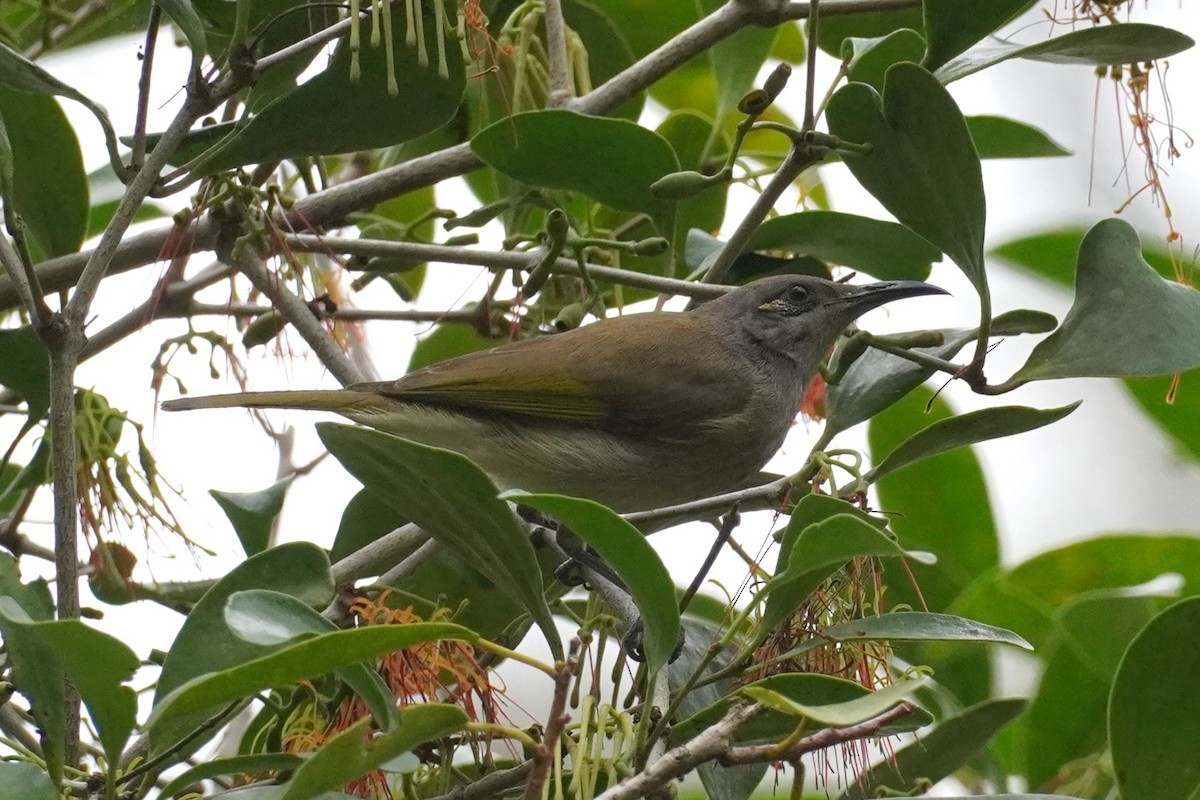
(864, 297)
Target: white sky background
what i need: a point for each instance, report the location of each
(1106, 467)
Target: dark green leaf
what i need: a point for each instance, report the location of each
(1154, 711)
(50, 186)
(939, 753)
(837, 715)
(364, 519)
(232, 765)
(1101, 45)
(451, 498)
(965, 429)
(253, 514)
(26, 781)
(204, 643)
(268, 618)
(833, 31)
(353, 752)
(1066, 720)
(1001, 137)
(295, 662)
(883, 249)
(608, 52)
(38, 674)
(1052, 254)
(952, 26)
(913, 626)
(868, 60)
(816, 552)
(448, 340)
(312, 120)
(961, 532)
(1116, 290)
(25, 368)
(542, 148)
(626, 550)
(922, 167)
(807, 689)
(33, 597)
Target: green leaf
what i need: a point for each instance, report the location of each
(183, 14)
(915, 626)
(626, 550)
(253, 514)
(38, 674)
(868, 59)
(451, 498)
(448, 340)
(204, 643)
(18, 72)
(922, 167)
(232, 765)
(1052, 254)
(25, 368)
(312, 120)
(106, 191)
(1116, 290)
(1024, 598)
(608, 51)
(25, 780)
(50, 187)
(834, 30)
(939, 753)
(1102, 45)
(1154, 710)
(952, 26)
(838, 715)
(268, 618)
(1001, 137)
(1066, 720)
(883, 249)
(99, 666)
(816, 551)
(962, 533)
(354, 752)
(296, 662)
(965, 429)
(804, 689)
(33, 597)
(364, 519)
(542, 148)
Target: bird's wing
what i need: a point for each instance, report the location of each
(563, 377)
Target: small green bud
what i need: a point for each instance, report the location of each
(557, 226)
(755, 102)
(654, 246)
(680, 185)
(570, 317)
(777, 80)
(263, 329)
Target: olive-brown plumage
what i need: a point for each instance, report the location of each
(635, 412)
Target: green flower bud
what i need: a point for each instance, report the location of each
(680, 185)
(654, 246)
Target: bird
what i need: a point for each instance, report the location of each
(636, 412)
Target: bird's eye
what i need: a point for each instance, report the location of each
(797, 294)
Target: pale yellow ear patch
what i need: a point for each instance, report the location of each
(771, 305)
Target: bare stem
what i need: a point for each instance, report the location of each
(556, 42)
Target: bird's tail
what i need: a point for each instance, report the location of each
(330, 400)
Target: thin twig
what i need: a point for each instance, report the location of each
(295, 311)
(810, 79)
(710, 744)
(826, 737)
(499, 261)
(556, 44)
(543, 756)
(143, 101)
(24, 280)
(729, 524)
